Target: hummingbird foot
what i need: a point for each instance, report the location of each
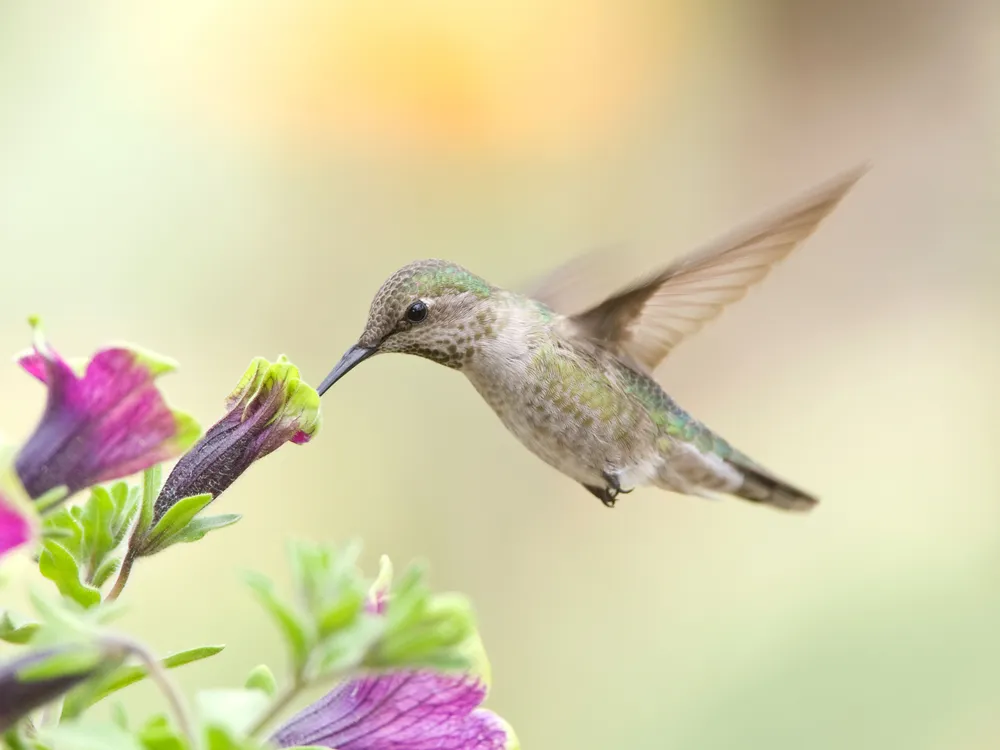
(605, 494)
(609, 493)
(614, 484)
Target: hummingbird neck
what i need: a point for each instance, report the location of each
(508, 329)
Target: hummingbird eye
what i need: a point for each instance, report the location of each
(417, 311)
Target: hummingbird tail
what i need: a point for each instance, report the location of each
(760, 487)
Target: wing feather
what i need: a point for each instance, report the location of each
(644, 322)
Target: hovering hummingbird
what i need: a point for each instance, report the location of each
(577, 389)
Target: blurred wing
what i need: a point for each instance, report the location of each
(577, 283)
(643, 323)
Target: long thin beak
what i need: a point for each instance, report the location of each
(351, 359)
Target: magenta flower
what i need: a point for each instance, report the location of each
(270, 406)
(14, 527)
(17, 517)
(103, 422)
(413, 709)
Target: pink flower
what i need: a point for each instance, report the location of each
(103, 423)
(17, 519)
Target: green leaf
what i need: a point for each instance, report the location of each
(92, 531)
(59, 566)
(262, 678)
(97, 518)
(182, 658)
(158, 734)
(408, 598)
(219, 739)
(107, 569)
(292, 626)
(172, 523)
(65, 526)
(54, 532)
(51, 498)
(429, 634)
(126, 499)
(15, 629)
(327, 583)
(151, 481)
(341, 613)
(80, 699)
(69, 663)
(63, 620)
(118, 715)
(348, 649)
(88, 735)
(198, 527)
(308, 563)
(234, 710)
(13, 739)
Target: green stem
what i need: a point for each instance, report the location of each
(122, 579)
(279, 704)
(159, 676)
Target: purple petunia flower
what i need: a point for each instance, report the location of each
(410, 710)
(104, 422)
(23, 692)
(270, 406)
(413, 709)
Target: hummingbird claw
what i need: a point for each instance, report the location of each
(614, 485)
(604, 494)
(608, 494)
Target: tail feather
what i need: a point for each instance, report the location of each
(761, 487)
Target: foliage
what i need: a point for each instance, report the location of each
(336, 623)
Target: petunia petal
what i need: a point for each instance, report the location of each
(34, 364)
(18, 521)
(63, 667)
(410, 710)
(269, 407)
(15, 529)
(103, 423)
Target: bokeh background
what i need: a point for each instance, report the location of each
(216, 179)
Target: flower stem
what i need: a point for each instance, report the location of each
(159, 676)
(122, 579)
(279, 704)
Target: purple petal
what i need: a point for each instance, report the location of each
(227, 450)
(109, 423)
(22, 696)
(15, 528)
(410, 710)
(34, 364)
(269, 407)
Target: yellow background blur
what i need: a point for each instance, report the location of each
(216, 180)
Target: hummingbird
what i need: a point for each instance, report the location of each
(578, 388)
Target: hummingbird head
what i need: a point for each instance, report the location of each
(431, 308)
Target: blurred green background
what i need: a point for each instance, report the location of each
(216, 179)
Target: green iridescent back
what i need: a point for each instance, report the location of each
(670, 418)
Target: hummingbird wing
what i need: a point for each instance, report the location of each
(642, 323)
(575, 285)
